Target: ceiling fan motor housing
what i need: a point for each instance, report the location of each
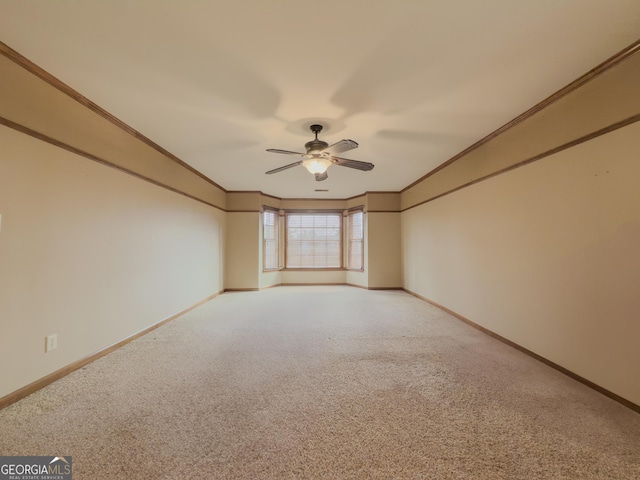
(315, 146)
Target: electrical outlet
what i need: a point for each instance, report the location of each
(51, 342)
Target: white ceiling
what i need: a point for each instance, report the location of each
(414, 82)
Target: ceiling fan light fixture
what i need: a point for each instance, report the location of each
(316, 165)
(320, 156)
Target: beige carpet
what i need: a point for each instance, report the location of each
(323, 382)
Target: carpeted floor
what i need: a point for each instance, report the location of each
(323, 382)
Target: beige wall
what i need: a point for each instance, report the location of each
(546, 254)
(93, 255)
(383, 254)
(383, 246)
(243, 253)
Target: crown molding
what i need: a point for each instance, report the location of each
(70, 148)
(577, 141)
(41, 73)
(580, 81)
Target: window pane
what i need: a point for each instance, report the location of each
(271, 246)
(307, 233)
(334, 221)
(294, 221)
(333, 234)
(320, 249)
(294, 248)
(355, 241)
(313, 240)
(306, 221)
(320, 221)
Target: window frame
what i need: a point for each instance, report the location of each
(337, 213)
(276, 214)
(350, 240)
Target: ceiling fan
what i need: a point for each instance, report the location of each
(320, 156)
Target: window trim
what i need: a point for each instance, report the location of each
(338, 213)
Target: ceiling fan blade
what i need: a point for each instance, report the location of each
(279, 169)
(341, 146)
(357, 164)
(285, 152)
(321, 176)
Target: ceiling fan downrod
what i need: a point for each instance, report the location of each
(316, 129)
(315, 146)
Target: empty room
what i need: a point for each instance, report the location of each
(293, 239)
